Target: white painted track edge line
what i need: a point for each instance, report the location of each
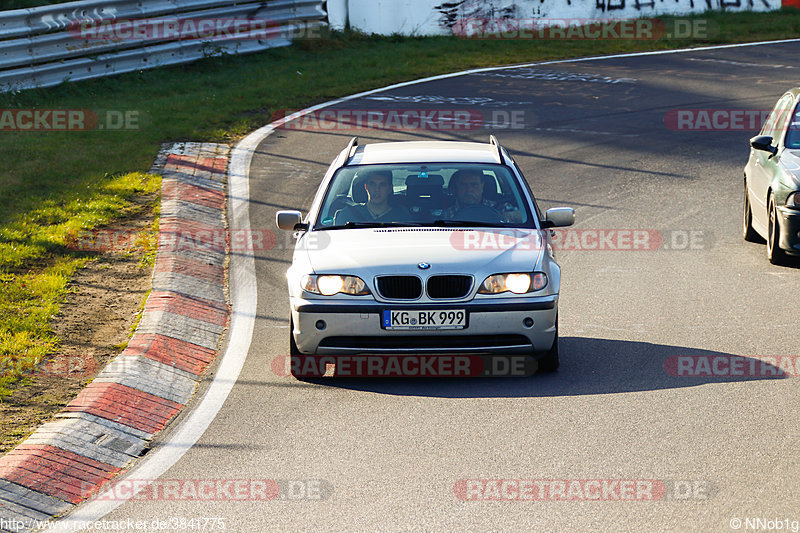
(243, 279)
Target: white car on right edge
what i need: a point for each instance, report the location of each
(772, 181)
(429, 249)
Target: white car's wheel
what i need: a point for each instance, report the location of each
(749, 234)
(549, 362)
(775, 255)
(297, 366)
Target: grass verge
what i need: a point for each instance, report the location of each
(38, 257)
(56, 184)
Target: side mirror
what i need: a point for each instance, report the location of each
(559, 216)
(288, 220)
(763, 143)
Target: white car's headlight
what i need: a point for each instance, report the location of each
(518, 283)
(793, 200)
(328, 285)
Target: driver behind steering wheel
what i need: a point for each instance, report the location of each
(467, 186)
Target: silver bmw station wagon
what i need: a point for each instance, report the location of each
(422, 255)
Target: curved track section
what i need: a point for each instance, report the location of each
(622, 438)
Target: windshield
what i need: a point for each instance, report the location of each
(793, 134)
(436, 194)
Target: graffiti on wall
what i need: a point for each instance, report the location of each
(639, 5)
(451, 12)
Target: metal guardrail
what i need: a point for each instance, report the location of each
(44, 46)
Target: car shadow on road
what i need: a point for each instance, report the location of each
(592, 366)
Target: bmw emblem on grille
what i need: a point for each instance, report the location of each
(424, 266)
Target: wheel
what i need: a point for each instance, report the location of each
(296, 359)
(549, 361)
(775, 255)
(293, 349)
(749, 234)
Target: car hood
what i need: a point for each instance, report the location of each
(395, 250)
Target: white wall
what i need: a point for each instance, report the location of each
(337, 14)
(436, 17)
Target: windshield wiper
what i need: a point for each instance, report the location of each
(359, 225)
(467, 223)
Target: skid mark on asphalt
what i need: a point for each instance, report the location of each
(452, 100)
(555, 75)
(585, 132)
(738, 63)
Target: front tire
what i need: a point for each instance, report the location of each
(775, 255)
(296, 359)
(549, 362)
(749, 234)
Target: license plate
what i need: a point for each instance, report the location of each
(425, 320)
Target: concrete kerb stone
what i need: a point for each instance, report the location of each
(188, 285)
(89, 439)
(20, 514)
(210, 257)
(183, 328)
(189, 211)
(150, 376)
(204, 178)
(143, 435)
(30, 501)
(101, 425)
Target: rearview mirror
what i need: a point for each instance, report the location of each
(559, 216)
(763, 143)
(288, 220)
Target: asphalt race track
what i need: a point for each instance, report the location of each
(387, 455)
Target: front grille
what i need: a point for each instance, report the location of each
(400, 287)
(449, 286)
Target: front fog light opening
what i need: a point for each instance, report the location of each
(320, 325)
(527, 322)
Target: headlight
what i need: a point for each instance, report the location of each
(793, 200)
(328, 285)
(518, 283)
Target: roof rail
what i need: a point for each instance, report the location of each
(493, 140)
(353, 142)
(342, 159)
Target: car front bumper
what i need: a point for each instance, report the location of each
(789, 224)
(494, 326)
